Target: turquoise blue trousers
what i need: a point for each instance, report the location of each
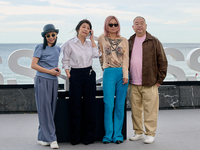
(113, 107)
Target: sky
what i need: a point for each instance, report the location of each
(171, 21)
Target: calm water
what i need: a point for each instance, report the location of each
(7, 49)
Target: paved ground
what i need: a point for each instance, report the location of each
(177, 130)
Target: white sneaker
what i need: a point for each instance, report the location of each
(54, 145)
(43, 143)
(149, 139)
(136, 137)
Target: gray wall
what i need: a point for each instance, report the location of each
(17, 99)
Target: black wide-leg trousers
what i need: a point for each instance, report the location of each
(82, 101)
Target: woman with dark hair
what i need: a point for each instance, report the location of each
(45, 62)
(77, 56)
(114, 62)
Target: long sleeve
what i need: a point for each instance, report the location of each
(162, 63)
(66, 57)
(100, 47)
(125, 59)
(96, 52)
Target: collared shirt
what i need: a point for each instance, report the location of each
(78, 55)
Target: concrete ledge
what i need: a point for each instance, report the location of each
(190, 96)
(169, 96)
(21, 98)
(17, 100)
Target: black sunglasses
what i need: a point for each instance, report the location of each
(49, 35)
(111, 25)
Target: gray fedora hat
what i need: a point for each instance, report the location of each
(49, 28)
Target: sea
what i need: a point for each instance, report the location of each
(7, 74)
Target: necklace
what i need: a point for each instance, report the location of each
(114, 43)
(112, 39)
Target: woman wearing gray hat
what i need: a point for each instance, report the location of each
(45, 62)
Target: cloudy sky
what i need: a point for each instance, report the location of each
(172, 21)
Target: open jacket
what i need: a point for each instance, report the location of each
(154, 65)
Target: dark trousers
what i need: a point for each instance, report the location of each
(82, 95)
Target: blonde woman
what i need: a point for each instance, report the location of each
(114, 62)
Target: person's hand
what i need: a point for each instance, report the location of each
(55, 71)
(59, 71)
(68, 75)
(125, 80)
(92, 35)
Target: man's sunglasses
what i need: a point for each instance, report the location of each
(49, 35)
(111, 25)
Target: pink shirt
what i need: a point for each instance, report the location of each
(136, 61)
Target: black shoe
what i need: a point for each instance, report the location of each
(86, 143)
(106, 142)
(118, 142)
(74, 142)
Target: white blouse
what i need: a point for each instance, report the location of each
(76, 55)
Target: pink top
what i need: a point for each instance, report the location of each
(136, 61)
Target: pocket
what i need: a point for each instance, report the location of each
(93, 73)
(70, 78)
